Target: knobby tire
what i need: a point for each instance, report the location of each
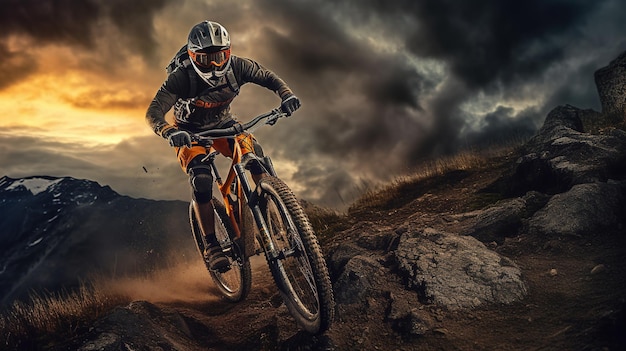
(310, 301)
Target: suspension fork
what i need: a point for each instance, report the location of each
(252, 200)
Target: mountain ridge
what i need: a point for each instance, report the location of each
(48, 220)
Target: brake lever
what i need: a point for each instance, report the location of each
(271, 120)
(206, 142)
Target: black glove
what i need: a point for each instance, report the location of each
(290, 104)
(177, 137)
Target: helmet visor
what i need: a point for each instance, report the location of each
(210, 60)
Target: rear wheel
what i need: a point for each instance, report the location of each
(297, 263)
(235, 283)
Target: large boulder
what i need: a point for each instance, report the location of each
(139, 326)
(441, 268)
(504, 219)
(362, 277)
(586, 209)
(457, 272)
(611, 84)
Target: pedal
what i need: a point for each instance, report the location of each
(288, 253)
(223, 269)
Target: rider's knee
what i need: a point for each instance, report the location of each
(201, 180)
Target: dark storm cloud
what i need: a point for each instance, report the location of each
(329, 67)
(539, 52)
(496, 40)
(322, 50)
(69, 22)
(487, 41)
(489, 45)
(504, 127)
(13, 66)
(76, 23)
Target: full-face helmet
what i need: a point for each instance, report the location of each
(208, 45)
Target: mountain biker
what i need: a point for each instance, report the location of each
(201, 94)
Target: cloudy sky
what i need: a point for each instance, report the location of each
(384, 84)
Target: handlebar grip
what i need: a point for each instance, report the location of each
(239, 128)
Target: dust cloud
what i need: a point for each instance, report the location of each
(185, 281)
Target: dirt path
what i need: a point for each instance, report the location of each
(568, 308)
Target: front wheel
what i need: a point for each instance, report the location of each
(235, 283)
(296, 261)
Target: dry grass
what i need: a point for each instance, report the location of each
(54, 317)
(396, 193)
(326, 223)
(598, 123)
(385, 196)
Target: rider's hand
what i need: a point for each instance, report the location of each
(290, 104)
(177, 137)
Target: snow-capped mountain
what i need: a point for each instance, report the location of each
(55, 232)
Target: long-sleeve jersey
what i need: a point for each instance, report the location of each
(208, 106)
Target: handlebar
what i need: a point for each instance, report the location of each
(239, 128)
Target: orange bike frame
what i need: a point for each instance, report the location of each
(225, 188)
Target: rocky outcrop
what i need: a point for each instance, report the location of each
(140, 326)
(611, 84)
(586, 209)
(580, 177)
(401, 273)
(504, 219)
(562, 155)
(445, 269)
(456, 271)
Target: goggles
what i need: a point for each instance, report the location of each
(211, 59)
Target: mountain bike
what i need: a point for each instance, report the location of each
(266, 218)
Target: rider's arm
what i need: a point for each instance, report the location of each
(176, 85)
(249, 71)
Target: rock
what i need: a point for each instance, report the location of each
(505, 218)
(598, 269)
(561, 155)
(611, 85)
(371, 236)
(362, 277)
(377, 240)
(457, 272)
(408, 320)
(586, 209)
(104, 341)
(140, 325)
(560, 118)
(340, 255)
